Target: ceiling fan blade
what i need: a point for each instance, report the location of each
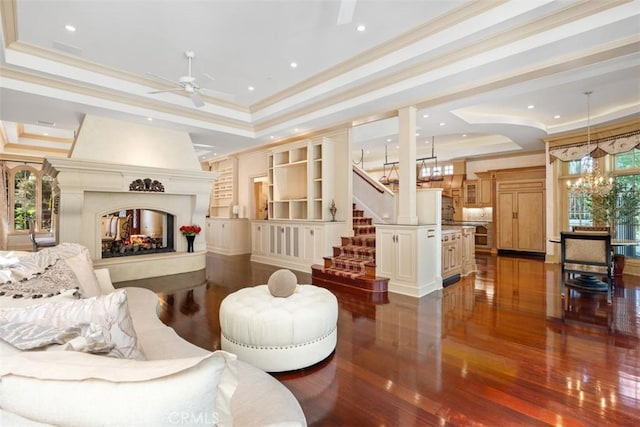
(345, 13)
(197, 101)
(164, 79)
(167, 90)
(217, 94)
(207, 75)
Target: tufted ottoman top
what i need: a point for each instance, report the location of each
(253, 316)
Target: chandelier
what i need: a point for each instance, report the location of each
(592, 181)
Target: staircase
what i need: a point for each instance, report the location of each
(353, 264)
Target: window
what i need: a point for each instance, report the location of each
(628, 160)
(30, 194)
(24, 201)
(448, 169)
(626, 171)
(47, 204)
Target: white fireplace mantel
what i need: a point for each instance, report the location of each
(88, 189)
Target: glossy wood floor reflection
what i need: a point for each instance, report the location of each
(489, 350)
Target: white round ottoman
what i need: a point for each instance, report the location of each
(279, 334)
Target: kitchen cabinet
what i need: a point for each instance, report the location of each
(228, 236)
(520, 218)
(471, 193)
(451, 253)
(468, 249)
(458, 252)
(407, 255)
(478, 193)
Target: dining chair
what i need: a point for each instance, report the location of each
(587, 262)
(38, 242)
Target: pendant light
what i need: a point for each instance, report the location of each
(436, 175)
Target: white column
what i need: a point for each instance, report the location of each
(407, 213)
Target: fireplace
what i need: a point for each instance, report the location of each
(116, 168)
(135, 232)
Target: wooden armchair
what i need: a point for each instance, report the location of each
(583, 256)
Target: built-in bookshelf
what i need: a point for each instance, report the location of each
(223, 188)
(299, 185)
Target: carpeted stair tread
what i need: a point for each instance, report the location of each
(358, 251)
(360, 230)
(353, 264)
(368, 240)
(350, 264)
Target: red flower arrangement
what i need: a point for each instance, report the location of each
(190, 230)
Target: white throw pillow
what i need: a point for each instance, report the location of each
(110, 311)
(82, 267)
(83, 389)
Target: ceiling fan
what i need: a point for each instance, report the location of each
(188, 84)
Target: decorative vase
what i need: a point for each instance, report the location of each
(333, 210)
(190, 240)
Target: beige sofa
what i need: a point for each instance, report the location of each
(257, 399)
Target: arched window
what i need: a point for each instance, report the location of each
(30, 194)
(24, 197)
(47, 204)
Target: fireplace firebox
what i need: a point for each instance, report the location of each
(133, 232)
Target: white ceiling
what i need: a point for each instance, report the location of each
(474, 66)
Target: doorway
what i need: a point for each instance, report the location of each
(260, 197)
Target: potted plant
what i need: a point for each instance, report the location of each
(616, 208)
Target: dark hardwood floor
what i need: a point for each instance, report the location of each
(489, 350)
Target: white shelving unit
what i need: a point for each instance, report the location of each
(300, 187)
(223, 188)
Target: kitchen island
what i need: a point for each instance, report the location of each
(458, 252)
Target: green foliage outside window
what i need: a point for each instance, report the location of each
(24, 202)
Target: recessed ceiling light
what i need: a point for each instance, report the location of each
(294, 65)
(251, 88)
(296, 130)
(557, 116)
(215, 154)
(442, 124)
(361, 28)
(531, 107)
(388, 139)
(45, 134)
(150, 119)
(397, 146)
(464, 135)
(70, 28)
(425, 116)
(417, 134)
(272, 137)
